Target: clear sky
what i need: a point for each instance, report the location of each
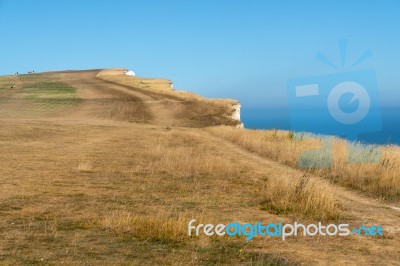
(220, 48)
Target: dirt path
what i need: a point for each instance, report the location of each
(106, 103)
(366, 207)
(94, 90)
(360, 209)
(367, 210)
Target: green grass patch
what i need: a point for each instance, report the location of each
(46, 90)
(47, 94)
(37, 98)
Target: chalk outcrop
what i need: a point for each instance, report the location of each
(236, 115)
(186, 108)
(130, 73)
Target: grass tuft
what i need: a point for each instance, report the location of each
(160, 228)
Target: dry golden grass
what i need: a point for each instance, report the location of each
(168, 230)
(162, 86)
(380, 178)
(160, 228)
(85, 167)
(107, 193)
(91, 187)
(302, 196)
(189, 109)
(179, 155)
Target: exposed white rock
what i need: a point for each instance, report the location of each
(130, 73)
(236, 115)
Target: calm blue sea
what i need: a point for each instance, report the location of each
(280, 119)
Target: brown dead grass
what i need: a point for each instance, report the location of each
(107, 193)
(302, 195)
(160, 228)
(161, 86)
(94, 188)
(191, 110)
(380, 179)
(179, 155)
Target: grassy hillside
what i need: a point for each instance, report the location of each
(98, 168)
(378, 176)
(188, 108)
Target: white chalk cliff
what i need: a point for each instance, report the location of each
(236, 114)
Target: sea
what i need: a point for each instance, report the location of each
(275, 118)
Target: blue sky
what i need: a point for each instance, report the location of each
(219, 48)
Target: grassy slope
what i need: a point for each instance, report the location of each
(188, 109)
(377, 175)
(86, 185)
